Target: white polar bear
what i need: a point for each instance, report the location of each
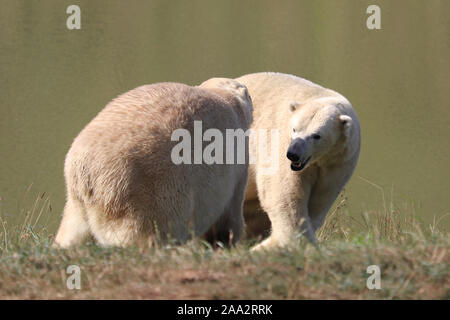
(124, 188)
(319, 143)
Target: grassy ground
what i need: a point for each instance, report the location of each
(413, 260)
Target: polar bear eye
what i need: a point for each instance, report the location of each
(293, 129)
(316, 136)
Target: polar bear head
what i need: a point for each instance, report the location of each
(232, 88)
(321, 131)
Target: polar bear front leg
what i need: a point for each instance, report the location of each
(288, 225)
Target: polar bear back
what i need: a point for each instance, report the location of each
(125, 150)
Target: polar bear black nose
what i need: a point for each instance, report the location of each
(296, 149)
(292, 156)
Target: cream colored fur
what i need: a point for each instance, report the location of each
(122, 186)
(298, 201)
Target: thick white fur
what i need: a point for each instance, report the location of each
(122, 186)
(299, 200)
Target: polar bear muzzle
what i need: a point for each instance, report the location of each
(297, 154)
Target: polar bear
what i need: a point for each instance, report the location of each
(318, 148)
(122, 184)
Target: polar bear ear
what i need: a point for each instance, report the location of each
(346, 122)
(293, 106)
(244, 92)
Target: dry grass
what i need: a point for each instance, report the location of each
(413, 259)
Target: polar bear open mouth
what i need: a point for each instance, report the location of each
(297, 166)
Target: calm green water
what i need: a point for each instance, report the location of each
(54, 80)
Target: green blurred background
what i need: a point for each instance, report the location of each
(54, 80)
